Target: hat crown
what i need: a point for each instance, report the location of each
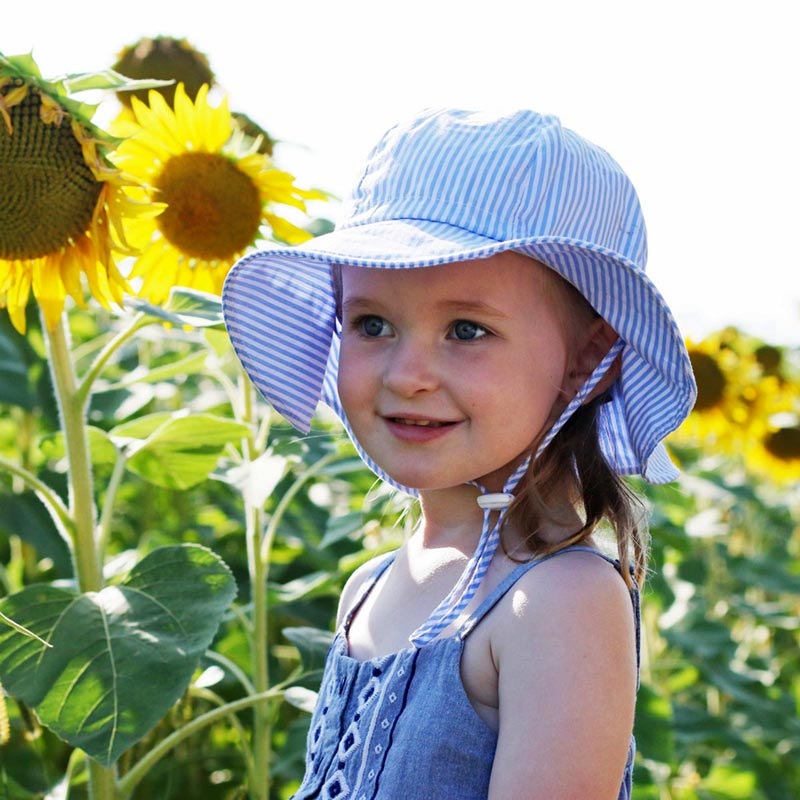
(505, 177)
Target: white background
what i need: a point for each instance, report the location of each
(697, 99)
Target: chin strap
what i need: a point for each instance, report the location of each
(467, 585)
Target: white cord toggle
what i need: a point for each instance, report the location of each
(495, 500)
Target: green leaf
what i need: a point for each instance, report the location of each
(184, 450)
(654, 736)
(729, 782)
(108, 79)
(312, 643)
(101, 448)
(310, 585)
(120, 658)
(184, 307)
(141, 427)
(24, 515)
(190, 365)
(257, 479)
(218, 341)
(341, 527)
(23, 63)
(20, 368)
(302, 698)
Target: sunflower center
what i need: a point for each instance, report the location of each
(213, 208)
(784, 443)
(47, 192)
(710, 380)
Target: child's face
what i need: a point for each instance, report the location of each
(447, 374)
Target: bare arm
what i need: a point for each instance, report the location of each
(566, 659)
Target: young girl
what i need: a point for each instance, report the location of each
(482, 324)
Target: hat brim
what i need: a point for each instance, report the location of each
(280, 312)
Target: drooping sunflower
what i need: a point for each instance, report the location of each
(62, 202)
(177, 61)
(220, 192)
(168, 58)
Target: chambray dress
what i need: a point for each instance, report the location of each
(401, 727)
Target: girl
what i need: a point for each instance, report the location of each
(482, 324)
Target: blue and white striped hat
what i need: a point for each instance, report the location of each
(452, 185)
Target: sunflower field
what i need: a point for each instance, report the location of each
(171, 552)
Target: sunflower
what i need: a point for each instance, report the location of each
(727, 376)
(777, 454)
(62, 203)
(773, 449)
(167, 58)
(177, 61)
(219, 191)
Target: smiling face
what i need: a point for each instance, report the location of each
(448, 374)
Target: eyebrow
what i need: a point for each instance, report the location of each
(453, 306)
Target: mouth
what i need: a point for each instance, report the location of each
(419, 423)
(419, 430)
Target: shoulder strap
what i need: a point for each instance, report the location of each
(500, 590)
(366, 588)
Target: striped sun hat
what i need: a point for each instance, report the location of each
(452, 185)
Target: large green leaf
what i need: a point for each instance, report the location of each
(182, 451)
(120, 657)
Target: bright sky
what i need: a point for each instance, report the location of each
(697, 99)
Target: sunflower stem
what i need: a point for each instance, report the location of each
(258, 568)
(88, 569)
(82, 510)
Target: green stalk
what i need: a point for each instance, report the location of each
(84, 390)
(88, 570)
(85, 556)
(104, 528)
(254, 529)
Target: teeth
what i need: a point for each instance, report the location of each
(422, 423)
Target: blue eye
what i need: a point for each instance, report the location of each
(466, 331)
(373, 326)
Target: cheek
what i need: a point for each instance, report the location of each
(353, 380)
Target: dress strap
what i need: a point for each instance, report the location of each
(500, 590)
(366, 588)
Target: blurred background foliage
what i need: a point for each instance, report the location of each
(717, 715)
(717, 712)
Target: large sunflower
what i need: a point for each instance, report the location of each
(62, 203)
(219, 190)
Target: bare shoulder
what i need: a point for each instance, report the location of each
(571, 588)
(565, 649)
(354, 584)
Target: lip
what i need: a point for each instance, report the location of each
(418, 434)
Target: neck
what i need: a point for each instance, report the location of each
(451, 518)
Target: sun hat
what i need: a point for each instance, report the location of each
(452, 185)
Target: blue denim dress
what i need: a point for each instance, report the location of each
(401, 727)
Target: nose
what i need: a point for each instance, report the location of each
(411, 368)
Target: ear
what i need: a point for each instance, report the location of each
(592, 346)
